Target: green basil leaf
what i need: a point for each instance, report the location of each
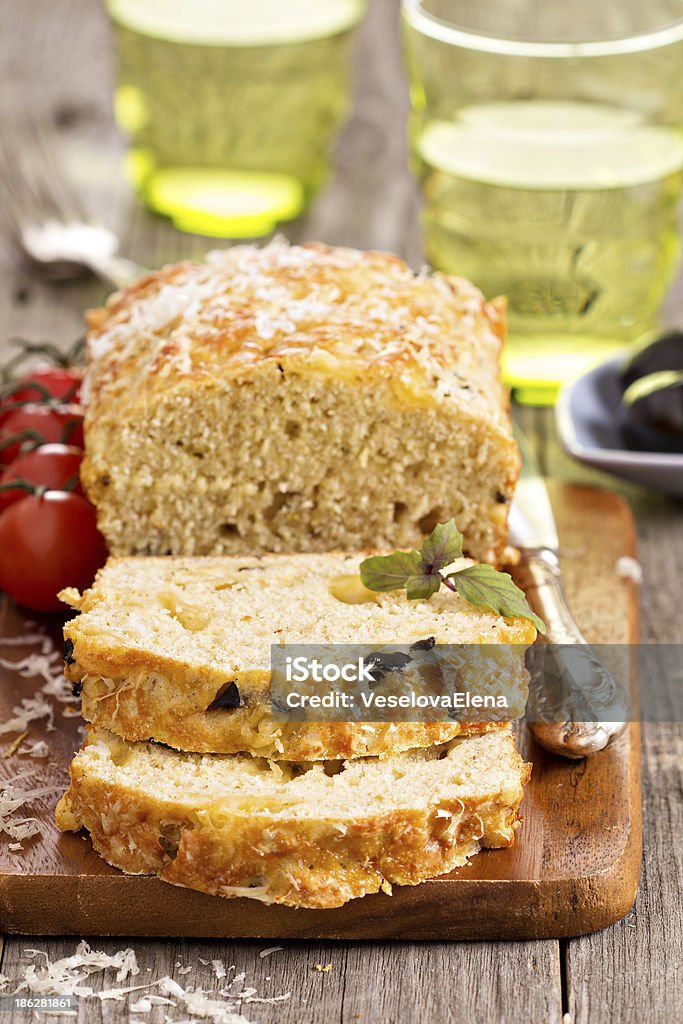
(442, 546)
(390, 572)
(486, 587)
(420, 588)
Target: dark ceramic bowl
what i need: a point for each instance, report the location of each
(590, 423)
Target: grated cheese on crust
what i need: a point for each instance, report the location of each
(263, 303)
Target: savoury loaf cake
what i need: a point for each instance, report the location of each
(307, 834)
(301, 398)
(159, 642)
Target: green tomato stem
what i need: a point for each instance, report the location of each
(20, 485)
(24, 435)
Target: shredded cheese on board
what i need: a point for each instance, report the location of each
(628, 568)
(34, 748)
(14, 797)
(70, 976)
(46, 665)
(29, 710)
(67, 976)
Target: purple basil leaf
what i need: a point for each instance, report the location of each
(442, 546)
(390, 572)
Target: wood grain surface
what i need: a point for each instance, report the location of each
(55, 61)
(573, 869)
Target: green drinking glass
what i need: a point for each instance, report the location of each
(548, 142)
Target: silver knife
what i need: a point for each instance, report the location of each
(575, 706)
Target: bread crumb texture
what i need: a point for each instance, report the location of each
(296, 398)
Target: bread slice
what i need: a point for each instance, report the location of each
(297, 399)
(306, 835)
(158, 640)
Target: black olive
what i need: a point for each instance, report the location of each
(227, 698)
(76, 689)
(423, 645)
(382, 663)
(652, 353)
(68, 653)
(653, 412)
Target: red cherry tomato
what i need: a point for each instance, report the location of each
(57, 382)
(50, 466)
(63, 423)
(48, 542)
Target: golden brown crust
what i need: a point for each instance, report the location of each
(243, 307)
(310, 860)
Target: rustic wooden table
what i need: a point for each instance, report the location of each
(55, 61)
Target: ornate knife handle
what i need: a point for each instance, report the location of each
(587, 710)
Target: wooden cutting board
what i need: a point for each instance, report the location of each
(574, 867)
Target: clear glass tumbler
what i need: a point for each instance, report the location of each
(548, 140)
(231, 106)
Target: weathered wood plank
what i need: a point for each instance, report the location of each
(479, 982)
(395, 984)
(289, 970)
(634, 970)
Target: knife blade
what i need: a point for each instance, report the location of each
(532, 523)
(575, 705)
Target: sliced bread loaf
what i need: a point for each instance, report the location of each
(160, 640)
(297, 399)
(307, 834)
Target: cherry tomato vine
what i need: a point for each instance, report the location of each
(48, 529)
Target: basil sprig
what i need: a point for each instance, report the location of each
(420, 574)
